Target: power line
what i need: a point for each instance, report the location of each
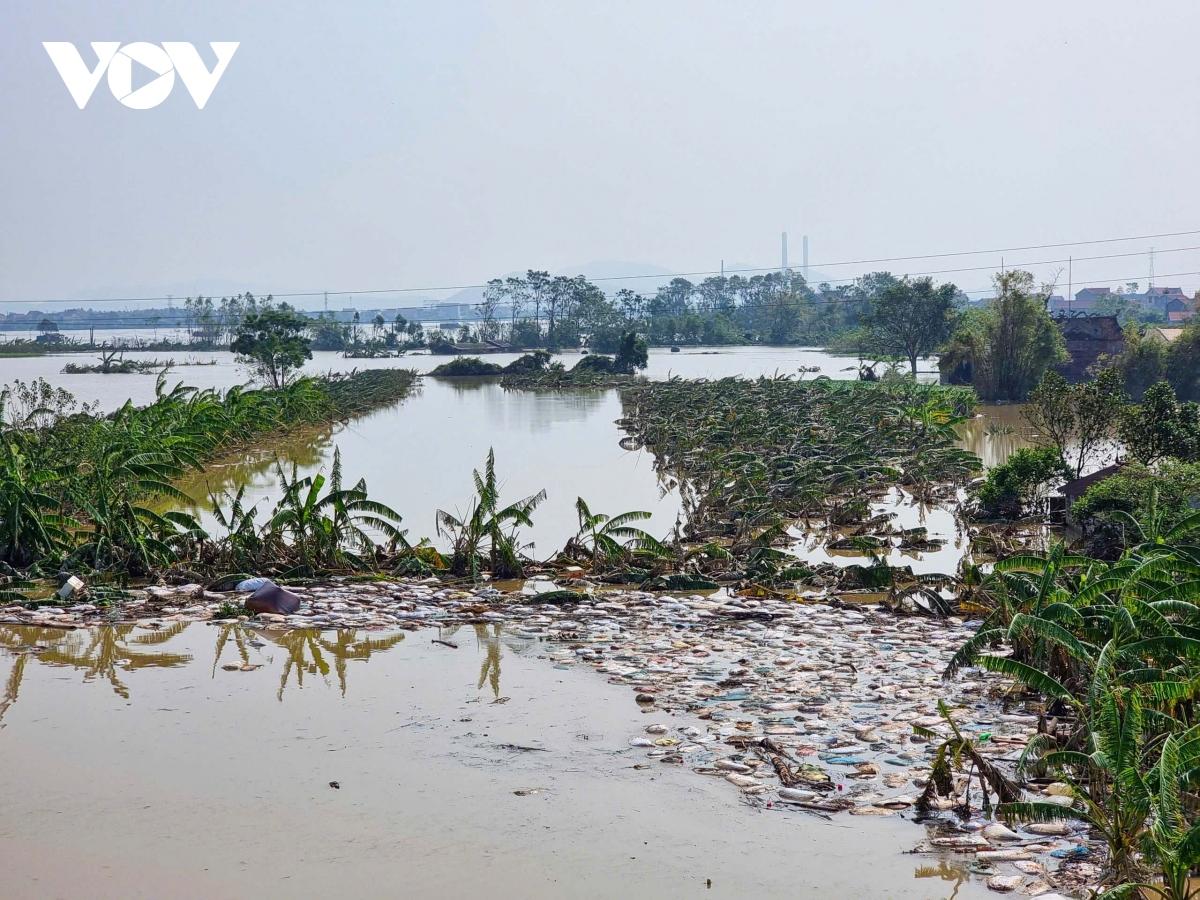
(605, 278)
(818, 301)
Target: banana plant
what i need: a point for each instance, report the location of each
(613, 538)
(487, 533)
(330, 529)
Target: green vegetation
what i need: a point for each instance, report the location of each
(330, 530)
(1147, 360)
(275, 343)
(612, 539)
(908, 319)
(1005, 348)
(1160, 426)
(78, 489)
(751, 457)
(487, 534)
(774, 308)
(1111, 512)
(1112, 649)
(1078, 420)
(467, 367)
(1019, 486)
(112, 362)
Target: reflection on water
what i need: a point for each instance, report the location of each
(906, 512)
(111, 652)
(418, 455)
(192, 771)
(996, 433)
(99, 653)
(307, 651)
(956, 874)
(488, 640)
(255, 470)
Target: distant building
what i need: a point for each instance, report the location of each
(1088, 338)
(1179, 309)
(1159, 299)
(1169, 302)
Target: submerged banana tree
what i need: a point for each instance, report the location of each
(332, 529)
(487, 534)
(32, 525)
(242, 544)
(92, 489)
(612, 538)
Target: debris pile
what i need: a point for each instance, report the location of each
(807, 706)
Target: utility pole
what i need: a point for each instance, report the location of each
(722, 269)
(804, 249)
(783, 267)
(1150, 287)
(1070, 283)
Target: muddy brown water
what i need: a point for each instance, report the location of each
(136, 764)
(417, 455)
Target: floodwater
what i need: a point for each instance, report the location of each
(417, 456)
(224, 761)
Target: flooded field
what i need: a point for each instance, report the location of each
(418, 456)
(203, 760)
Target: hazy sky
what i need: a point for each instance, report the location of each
(358, 145)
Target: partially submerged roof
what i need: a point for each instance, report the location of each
(1073, 490)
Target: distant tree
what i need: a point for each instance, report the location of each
(355, 320)
(1160, 427)
(632, 354)
(399, 324)
(1183, 362)
(1005, 348)
(328, 333)
(516, 289)
(46, 326)
(377, 324)
(1077, 420)
(275, 342)
(910, 319)
(537, 284)
(486, 308)
(631, 304)
(1142, 362)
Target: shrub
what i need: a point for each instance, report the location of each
(1166, 495)
(530, 362)
(1019, 483)
(467, 367)
(594, 363)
